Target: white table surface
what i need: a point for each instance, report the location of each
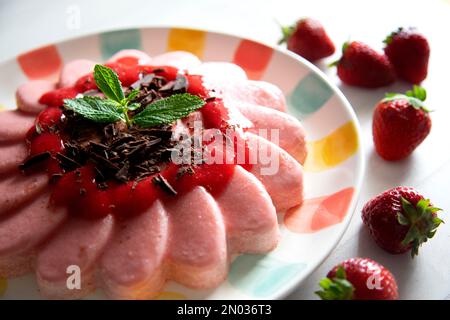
(28, 24)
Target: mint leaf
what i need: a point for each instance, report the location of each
(168, 110)
(133, 94)
(108, 82)
(133, 106)
(116, 106)
(96, 109)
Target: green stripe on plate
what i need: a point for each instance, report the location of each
(309, 95)
(262, 275)
(111, 42)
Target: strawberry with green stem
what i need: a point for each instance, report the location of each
(362, 66)
(409, 52)
(400, 123)
(308, 39)
(358, 279)
(401, 220)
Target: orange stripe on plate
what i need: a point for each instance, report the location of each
(192, 41)
(40, 63)
(318, 213)
(253, 57)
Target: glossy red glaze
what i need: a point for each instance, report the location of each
(56, 97)
(78, 189)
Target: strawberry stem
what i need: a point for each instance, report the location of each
(338, 288)
(422, 222)
(415, 97)
(286, 33)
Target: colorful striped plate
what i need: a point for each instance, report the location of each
(333, 170)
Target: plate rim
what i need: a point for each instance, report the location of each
(360, 168)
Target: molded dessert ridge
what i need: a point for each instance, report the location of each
(190, 240)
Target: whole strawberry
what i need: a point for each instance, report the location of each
(400, 123)
(362, 66)
(359, 279)
(309, 39)
(409, 52)
(400, 219)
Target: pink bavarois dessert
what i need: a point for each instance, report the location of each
(106, 197)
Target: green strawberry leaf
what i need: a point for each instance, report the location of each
(345, 46)
(422, 222)
(417, 92)
(415, 97)
(402, 219)
(108, 82)
(391, 36)
(168, 110)
(409, 208)
(338, 288)
(96, 109)
(286, 33)
(391, 95)
(340, 273)
(335, 63)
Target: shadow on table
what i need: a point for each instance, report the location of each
(402, 266)
(384, 174)
(380, 173)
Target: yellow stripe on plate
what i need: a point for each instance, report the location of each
(3, 286)
(192, 41)
(170, 295)
(333, 149)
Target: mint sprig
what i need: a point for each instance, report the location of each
(168, 110)
(96, 109)
(108, 82)
(115, 106)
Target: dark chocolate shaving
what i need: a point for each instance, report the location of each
(160, 181)
(181, 83)
(118, 153)
(143, 80)
(38, 128)
(185, 170)
(153, 87)
(66, 162)
(92, 92)
(33, 160)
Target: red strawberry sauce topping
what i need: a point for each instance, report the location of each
(77, 185)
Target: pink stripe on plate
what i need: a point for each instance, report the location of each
(253, 57)
(40, 63)
(319, 213)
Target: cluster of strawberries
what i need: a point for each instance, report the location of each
(401, 121)
(399, 219)
(406, 54)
